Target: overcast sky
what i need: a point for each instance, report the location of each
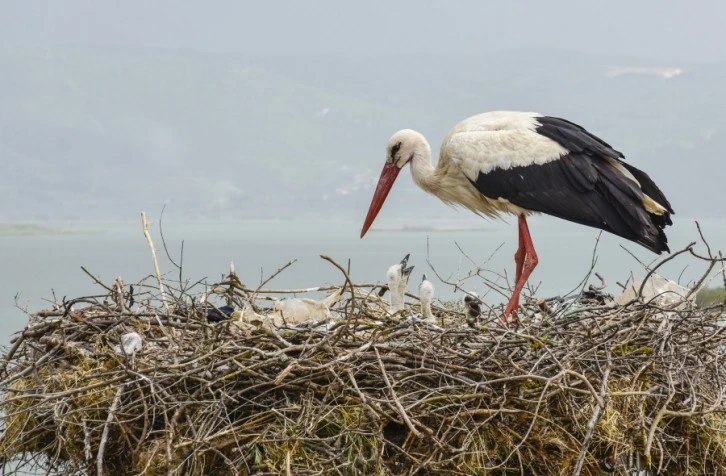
(664, 29)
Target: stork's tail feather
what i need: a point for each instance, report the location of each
(656, 239)
(644, 227)
(649, 229)
(658, 208)
(651, 190)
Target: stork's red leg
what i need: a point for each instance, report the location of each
(526, 261)
(519, 255)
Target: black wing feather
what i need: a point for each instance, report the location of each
(583, 187)
(574, 138)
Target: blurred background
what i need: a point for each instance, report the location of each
(282, 109)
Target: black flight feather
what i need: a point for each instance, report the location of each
(583, 187)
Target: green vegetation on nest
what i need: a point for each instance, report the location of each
(711, 296)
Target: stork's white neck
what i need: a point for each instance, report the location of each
(426, 310)
(397, 287)
(422, 169)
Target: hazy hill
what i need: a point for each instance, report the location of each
(104, 132)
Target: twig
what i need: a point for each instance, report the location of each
(396, 401)
(87, 441)
(654, 426)
(347, 279)
(600, 403)
(703, 239)
(661, 263)
(305, 290)
(166, 250)
(98, 281)
(145, 225)
(106, 427)
(268, 279)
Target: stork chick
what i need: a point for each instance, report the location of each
(297, 311)
(472, 304)
(131, 343)
(426, 295)
(219, 314)
(397, 277)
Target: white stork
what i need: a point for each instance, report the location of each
(293, 311)
(397, 277)
(472, 304)
(426, 295)
(522, 163)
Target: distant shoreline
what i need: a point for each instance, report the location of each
(16, 229)
(436, 229)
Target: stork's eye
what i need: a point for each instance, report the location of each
(394, 150)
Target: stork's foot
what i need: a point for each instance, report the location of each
(510, 312)
(510, 319)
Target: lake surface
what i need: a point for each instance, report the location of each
(35, 266)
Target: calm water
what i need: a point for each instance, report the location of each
(35, 266)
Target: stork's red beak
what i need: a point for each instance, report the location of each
(388, 176)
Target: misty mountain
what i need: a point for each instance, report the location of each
(102, 132)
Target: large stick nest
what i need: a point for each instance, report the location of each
(577, 386)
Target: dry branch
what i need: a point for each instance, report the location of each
(147, 234)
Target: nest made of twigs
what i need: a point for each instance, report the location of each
(577, 386)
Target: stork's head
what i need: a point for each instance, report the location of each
(401, 149)
(472, 303)
(426, 290)
(399, 273)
